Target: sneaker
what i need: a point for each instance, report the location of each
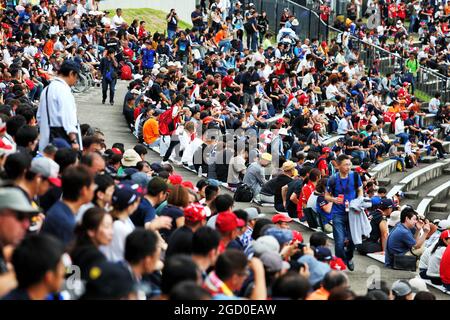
(350, 265)
(103, 101)
(111, 103)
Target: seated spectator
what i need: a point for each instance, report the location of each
(402, 290)
(254, 175)
(77, 189)
(38, 267)
(230, 272)
(406, 237)
(333, 280)
(180, 242)
(95, 230)
(125, 201)
(273, 188)
(376, 242)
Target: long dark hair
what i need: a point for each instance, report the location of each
(439, 244)
(92, 219)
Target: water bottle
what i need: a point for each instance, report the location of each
(347, 206)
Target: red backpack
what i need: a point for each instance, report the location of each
(167, 125)
(125, 72)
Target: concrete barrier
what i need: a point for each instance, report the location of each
(424, 206)
(384, 169)
(423, 175)
(441, 192)
(331, 141)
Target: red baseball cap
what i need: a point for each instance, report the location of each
(227, 221)
(281, 218)
(445, 235)
(326, 149)
(281, 120)
(116, 151)
(337, 264)
(297, 236)
(359, 170)
(188, 184)
(195, 212)
(55, 181)
(316, 127)
(175, 179)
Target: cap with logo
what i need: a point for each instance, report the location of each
(195, 212)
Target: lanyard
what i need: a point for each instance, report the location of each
(345, 190)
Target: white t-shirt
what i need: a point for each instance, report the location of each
(435, 262)
(114, 252)
(408, 148)
(399, 126)
(116, 22)
(331, 91)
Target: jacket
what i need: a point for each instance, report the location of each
(359, 223)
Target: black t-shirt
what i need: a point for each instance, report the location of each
(351, 143)
(199, 22)
(274, 186)
(155, 92)
(17, 294)
(183, 48)
(113, 43)
(294, 186)
(246, 79)
(375, 218)
(174, 213)
(180, 242)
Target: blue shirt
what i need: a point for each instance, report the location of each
(60, 222)
(148, 58)
(343, 186)
(144, 213)
(400, 241)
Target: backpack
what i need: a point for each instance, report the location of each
(125, 72)
(166, 123)
(248, 27)
(243, 193)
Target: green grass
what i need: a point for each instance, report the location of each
(155, 19)
(422, 96)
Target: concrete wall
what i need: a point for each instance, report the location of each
(184, 7)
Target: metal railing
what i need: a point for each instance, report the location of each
(311, 26)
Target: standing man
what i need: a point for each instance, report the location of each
(148, 57)
(108, 69)
(183, 50)
(342, 188)
(57, 111)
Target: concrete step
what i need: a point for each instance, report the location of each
(447, 171)
(439, 207)
(432, 215)
(429, 159)
(414, 194)
(384, 182)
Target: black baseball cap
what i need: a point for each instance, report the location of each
(108, 281)
(387, 204)
(71, 65)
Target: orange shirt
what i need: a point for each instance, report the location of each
(220, 36)
(150, 130)
(319, 294)
(48, 48)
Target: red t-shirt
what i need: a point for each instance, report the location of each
(444, 269)
(392, 11)
(323, 165)
(306, 192)
(227, 81)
